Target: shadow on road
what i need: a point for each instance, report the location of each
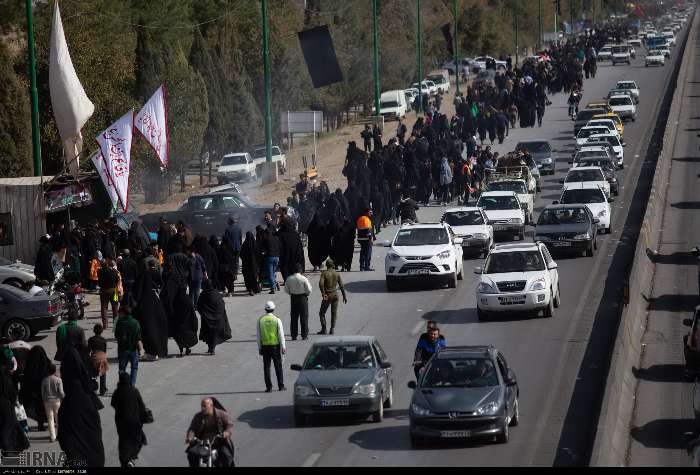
(661, 373)
(271, 417)
(676, 258)
(379, 286)
(687, 159)
(672, 303)
(396, 438)
(663, 433)
(452, 317)
(262, 391)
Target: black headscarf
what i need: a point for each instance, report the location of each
(212, 310)
(129, 411)
(36, 368)
(8, 420)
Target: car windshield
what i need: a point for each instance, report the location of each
(620, 101)
(460, 373)
(588, 131)
(233, 160)
(562, 216)
(517, 261)
(421, 237)
(515, 186)
(498, 202)
(464, 218)
(604, 164)
(4, 261)
(591, 153)
(389, 105)
(262, 152)
(332, 357)
(625, 85)
(619, 49)
(575, 176)
(534, 147)
(582, 196)
(610, 139)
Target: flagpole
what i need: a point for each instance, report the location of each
(36, 142)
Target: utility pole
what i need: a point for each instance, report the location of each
(557, 5)
(515, 25)
(571, 18)
(419, 47)
(36, 143)
(455, 48)
(266, 81)
(539, 26)
(377, 91)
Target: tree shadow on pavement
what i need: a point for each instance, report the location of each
(661, 373)
(663, 433)
(677, 258)
(687, 159)
(672, 303)
(686, 205)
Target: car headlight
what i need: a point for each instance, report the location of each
(443, 255)
(547, 160)
(582, 237)
(365, 389)
(393, 256)
(541, 238)
(303, 391)
(539, 284)
(480, 236)
(486, 288)
(515, 220)
(488, 409)
(602, 213)
(420, 410)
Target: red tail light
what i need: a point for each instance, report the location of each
(53, 307)
(78, 290)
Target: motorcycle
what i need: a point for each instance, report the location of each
(204, 450)
(67, 284)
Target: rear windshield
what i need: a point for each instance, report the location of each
(620, 101)
(534, 147)
(576, 176)
(563, 216)
(582, 196)
(464, 218)
(498, 202)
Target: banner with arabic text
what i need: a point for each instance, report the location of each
(152, 123)
(115, 144)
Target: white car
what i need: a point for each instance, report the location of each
(424, 251)
(15, 273)
(590, 152)
(236, 167)
(504, 212)
(615, 143)
(609, 123)
(472, 225)
(668, 34)
(279, 158)
(635, 41)
(580, 175)
(624, 107)
(631, 86)
(520, 277)
(621, 54)
(655, 57)
(480, 63)
(605, 53)
(426, 86)
(594, 197)
(664, 50)
(587, 131)
(527, 199)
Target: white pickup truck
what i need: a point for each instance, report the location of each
(259, 156)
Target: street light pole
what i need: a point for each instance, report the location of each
(515, 22)
(36, 143)
(419, 47)
(539, 25)
(455, 48)
(571, 17)
(377, 102)
(266, 81)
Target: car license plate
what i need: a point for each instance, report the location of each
(562, 244)
(500, 227)
(455, 434)
(516, 298)
(334, 402)
(466, 243)
(418, 271)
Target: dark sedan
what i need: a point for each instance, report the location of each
(343, 375)
(569, 228)
(609, 168)
(541, 152)
(22, 316)
(464, 392)
(207, 214)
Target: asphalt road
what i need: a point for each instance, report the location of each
(544, 353)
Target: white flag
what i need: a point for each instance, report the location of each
(152, 122)
(101, 168)
(71, 106)
(115, 144)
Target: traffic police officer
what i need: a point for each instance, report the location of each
(270, 338)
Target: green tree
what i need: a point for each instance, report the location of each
(15, 134)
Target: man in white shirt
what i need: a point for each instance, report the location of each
(299, 289)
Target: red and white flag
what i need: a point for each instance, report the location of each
(152, 123)
(101, 168)
(115, 144)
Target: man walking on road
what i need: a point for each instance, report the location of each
(365, 236)
(328, 284)
(270, 338)
(299, 288)
(127, 332)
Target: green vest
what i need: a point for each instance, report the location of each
(268, 331)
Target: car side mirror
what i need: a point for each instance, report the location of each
(478, 270)
(385, 365)
(688, 322)
(459, 240)
(295, 367)
(510, 382)
(611, 200)
(624, 144)
(412, 385)
(552, 266)
(385, 243)
(695, 251)
(561, 181)
(596, 221)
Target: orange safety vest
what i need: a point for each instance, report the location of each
(364, 228)
(94, 267)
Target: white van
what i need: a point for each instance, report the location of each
(441, 78)
(393, 104)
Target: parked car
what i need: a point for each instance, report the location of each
(260, 157)
(23, 315)
(441, 80)
(464, 392)
(343, 375)
(16, 273)
(472, 226)
(236, 167)
(569, 228)
(482, 62)
(393, 104)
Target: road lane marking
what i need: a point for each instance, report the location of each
(417, 328)
(311, 459)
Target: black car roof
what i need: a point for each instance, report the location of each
(465, 352)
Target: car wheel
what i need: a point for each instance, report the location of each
(460, 276)
(589, 251)
(548, 312)
(521, 235)
(481, 315)
(16, 330)
(378, 415)
(14, 283)
(515, 420)
(595, 243)
(391, 284)
(299, 419)
(390, 399)
(557, 298)
(504, 436)
(452, 281)
(608, 230)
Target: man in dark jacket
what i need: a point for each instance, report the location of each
(428, 344)
(42, 265)
(128, 268)
(234, 233)
(207, 424)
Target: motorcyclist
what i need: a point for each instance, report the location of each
(574, 99)
(428, 343)
(210, 422)
(407, 209)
